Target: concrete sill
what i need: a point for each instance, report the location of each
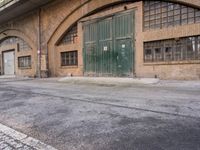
(173, 63)
(68, 67)
(24, 68)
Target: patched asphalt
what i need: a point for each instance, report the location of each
(67, 116)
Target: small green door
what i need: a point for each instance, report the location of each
(109, 46)
(125, 57)
(90, 57)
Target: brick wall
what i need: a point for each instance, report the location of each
(59, 15)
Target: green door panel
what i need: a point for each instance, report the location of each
(105, 46)
(90, 58)
(125, 57)
(90, 47)
(124, 25)
(105, 57)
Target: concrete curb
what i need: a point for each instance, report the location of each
(109, 81)
(36, 144)
(7, 76)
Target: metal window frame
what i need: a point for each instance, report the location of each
(68, 61)
(149, 11)
(24, 62)
(183, 42)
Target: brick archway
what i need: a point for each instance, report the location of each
(17, 33)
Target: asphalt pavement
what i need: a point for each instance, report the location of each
(71, 116)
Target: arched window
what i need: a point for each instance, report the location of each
(22, 45)
(70, 37)
(159, 14)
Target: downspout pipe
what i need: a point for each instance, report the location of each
(39, 44)
(47, 62)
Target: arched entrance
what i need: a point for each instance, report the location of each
(17, 55)
(120, 63)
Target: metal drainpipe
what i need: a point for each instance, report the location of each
(39, 43)
(47, 62)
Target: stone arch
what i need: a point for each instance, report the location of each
(17, 33)
(87, 8)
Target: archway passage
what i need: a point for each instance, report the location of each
(109, 46)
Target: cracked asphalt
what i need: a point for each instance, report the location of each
(163, 116)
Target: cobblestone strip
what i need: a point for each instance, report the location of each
(14, 140)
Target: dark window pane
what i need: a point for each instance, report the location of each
(178, 51)
(191, 49)
(191, 15)
(69, 58)
(177, 12)
(190, 20)
(198, 48)
(197, 13)
(158, 54)
(197, 19)
(24, 62)
(168, 53)
(148, 55)
(184, 21)
(184, 16)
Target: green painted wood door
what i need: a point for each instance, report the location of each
(108, 46)
(125, 57)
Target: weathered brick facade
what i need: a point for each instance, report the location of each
(58, 16)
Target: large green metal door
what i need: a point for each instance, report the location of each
(108, 46)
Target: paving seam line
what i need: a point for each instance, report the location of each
(25, 139)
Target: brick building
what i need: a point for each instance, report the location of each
(112, 38)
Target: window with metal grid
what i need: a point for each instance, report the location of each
(24, 62)
(69, 58)
(71, 36)
(22, 45)
(187, 48)
(160, 14)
